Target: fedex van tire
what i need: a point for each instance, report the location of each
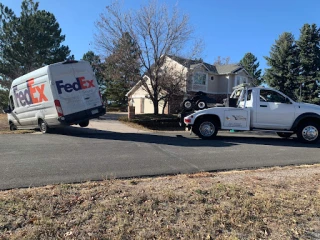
(84, 123)
(12, 127)
(43, 126)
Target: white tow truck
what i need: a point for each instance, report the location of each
(258, 108)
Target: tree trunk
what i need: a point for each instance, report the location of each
(156, 107)
(164, 106)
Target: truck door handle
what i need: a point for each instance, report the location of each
(263, 106)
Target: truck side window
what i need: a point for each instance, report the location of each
(271, 96)
(11, 103)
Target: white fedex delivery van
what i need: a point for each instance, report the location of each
(56, 95)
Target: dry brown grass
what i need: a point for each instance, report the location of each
(3, 122)
(4, 126)
(261, 204)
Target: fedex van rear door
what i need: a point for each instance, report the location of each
(75, 87)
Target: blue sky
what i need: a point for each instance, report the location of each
(229, 28)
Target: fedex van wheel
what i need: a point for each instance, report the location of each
(12, 127)
(43, 126)
(84, 123)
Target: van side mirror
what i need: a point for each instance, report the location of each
(7, 110)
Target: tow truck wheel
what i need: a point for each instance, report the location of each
(201, 104)
(206, 128)
(187, 104)
(308, 132)
(284, 134)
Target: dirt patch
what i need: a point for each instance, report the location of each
(275, 203)
(4, 126)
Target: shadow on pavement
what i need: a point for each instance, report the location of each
(183, 139)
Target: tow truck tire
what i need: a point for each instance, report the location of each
(201, 104)
(205, 128)
(308, 132)
(284, 134)
(187, 104)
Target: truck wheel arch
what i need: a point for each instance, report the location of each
(214, 119)
(305, 117)
(209, 116)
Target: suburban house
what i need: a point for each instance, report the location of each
(215, 80)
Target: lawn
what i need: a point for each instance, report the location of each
(276, 203)
(154, 122)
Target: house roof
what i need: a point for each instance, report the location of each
(134, 88)
(217, 69)
(228, 68)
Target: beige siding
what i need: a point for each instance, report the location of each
(137, 105)
(178, 70)
(213, 84)
(148, 106)
(143, 104)
(220, 84)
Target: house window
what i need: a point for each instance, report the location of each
(199, 78)
(239, 80)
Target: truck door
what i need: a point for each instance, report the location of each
(273, 110)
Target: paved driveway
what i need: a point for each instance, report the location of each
(110, 149)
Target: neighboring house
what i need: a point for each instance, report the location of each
(215, 80)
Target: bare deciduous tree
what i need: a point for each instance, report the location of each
(157, 32)
(222, 61)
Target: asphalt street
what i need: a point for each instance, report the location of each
(109, 149)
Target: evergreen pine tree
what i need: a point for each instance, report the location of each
(121, 70)
(249, 62)
(29, 41)
(3, 98)
(97, 67)
(309, 56)
(283, 61)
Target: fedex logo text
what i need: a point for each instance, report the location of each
(33, 94)
(79, 84)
